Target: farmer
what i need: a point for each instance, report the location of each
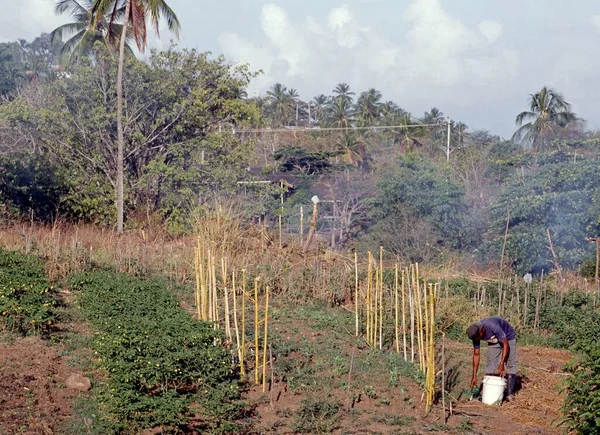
(501, 355)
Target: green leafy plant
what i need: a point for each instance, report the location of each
(316, 416)
(158, 359)
(26, 304)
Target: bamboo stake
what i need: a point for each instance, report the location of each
(235, 316)
(211, 314)
(243, 346)
(256, 349)
(356, 289)
(203, 295)
(419, 312)
(375, 308)
(215, 293)
(444, 377)
(411, 304)
(381, 297)
(226, 300)
(368, 299)
(403, 318)
(197, 288)
(397, 321)
(426, 303)
(265, 340)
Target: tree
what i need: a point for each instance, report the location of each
(340, 112)
(342, 91)
(280, 104)
(78, 37)
(368, 107)
(320, 105)
(174, 100)
(136, 13)
(410, 131)
(548, 112)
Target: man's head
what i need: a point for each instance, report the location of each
(476, 331)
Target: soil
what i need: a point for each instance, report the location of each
(33, 395)
(398, 409)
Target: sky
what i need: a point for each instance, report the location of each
(477, 61)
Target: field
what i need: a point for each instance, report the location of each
(133, 333)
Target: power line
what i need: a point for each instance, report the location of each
(318, 129)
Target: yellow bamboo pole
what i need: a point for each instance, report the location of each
(356, 290)
(203, 295)
(375, 308)
(235, 316)
(211, 314)
(215, 293)
(265, 340)
(368, 300)
(411, 304)
(426, 310)
(397, 321)
(403, 318)
(243, 346)
(256, 350)
(419, 306)
(197, 288)
(226, 300)
(381, 297)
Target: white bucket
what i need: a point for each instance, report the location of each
(492, 392)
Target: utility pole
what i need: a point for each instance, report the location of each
(448, 142)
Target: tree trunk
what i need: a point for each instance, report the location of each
(120, 139)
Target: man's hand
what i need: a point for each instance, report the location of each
(501, 371)
(474, 381)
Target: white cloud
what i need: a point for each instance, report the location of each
(27, 19)
(491, 30)
(435, 52)
(595, 20)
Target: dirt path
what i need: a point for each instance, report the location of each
(33, 395)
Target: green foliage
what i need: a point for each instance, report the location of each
(315, 416)
(582, 393)
(420, 189)
(26, 305)
(176, 157)
(159, 360)
(31, 184)
(561, 195)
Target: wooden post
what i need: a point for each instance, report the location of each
(301, 225)
(356, 289)
(313, 228)
(403, 317)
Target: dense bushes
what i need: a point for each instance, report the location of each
(26, 306)
(582, 398)
(159, 360)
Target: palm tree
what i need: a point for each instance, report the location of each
(352, 147)
(368, 106)
(343, 91)
(340, 113)
(320, 104)
(548, 112)
(78, 37)
(135, 15)
(280, 104)
(410, 131)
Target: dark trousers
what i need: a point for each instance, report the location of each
(494, 352)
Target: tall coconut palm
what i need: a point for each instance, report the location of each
(548, 112)
(77, 38)
(135, 15)
(410, 132)
(340, 113)
(280, 104)
(368, 106)
(320, 107)
(343, 91)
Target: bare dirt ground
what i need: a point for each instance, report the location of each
(328, 366)
(33, 395)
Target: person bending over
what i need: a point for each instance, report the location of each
(501, 358)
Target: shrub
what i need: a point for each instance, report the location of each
(158, 358)
(26, 306)
(582, 399)
(316, 416)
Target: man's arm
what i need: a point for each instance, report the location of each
(505, 350)
(476, 357)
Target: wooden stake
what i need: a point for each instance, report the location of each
(411, 302)
(368, 299)
(243, 346)
(256, 348)
(403, 317)
(381, 297)
(235, 316)
(227, 318)
(397, 320)
(356, 290)
(265, 340)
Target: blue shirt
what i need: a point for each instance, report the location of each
(496, 330)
